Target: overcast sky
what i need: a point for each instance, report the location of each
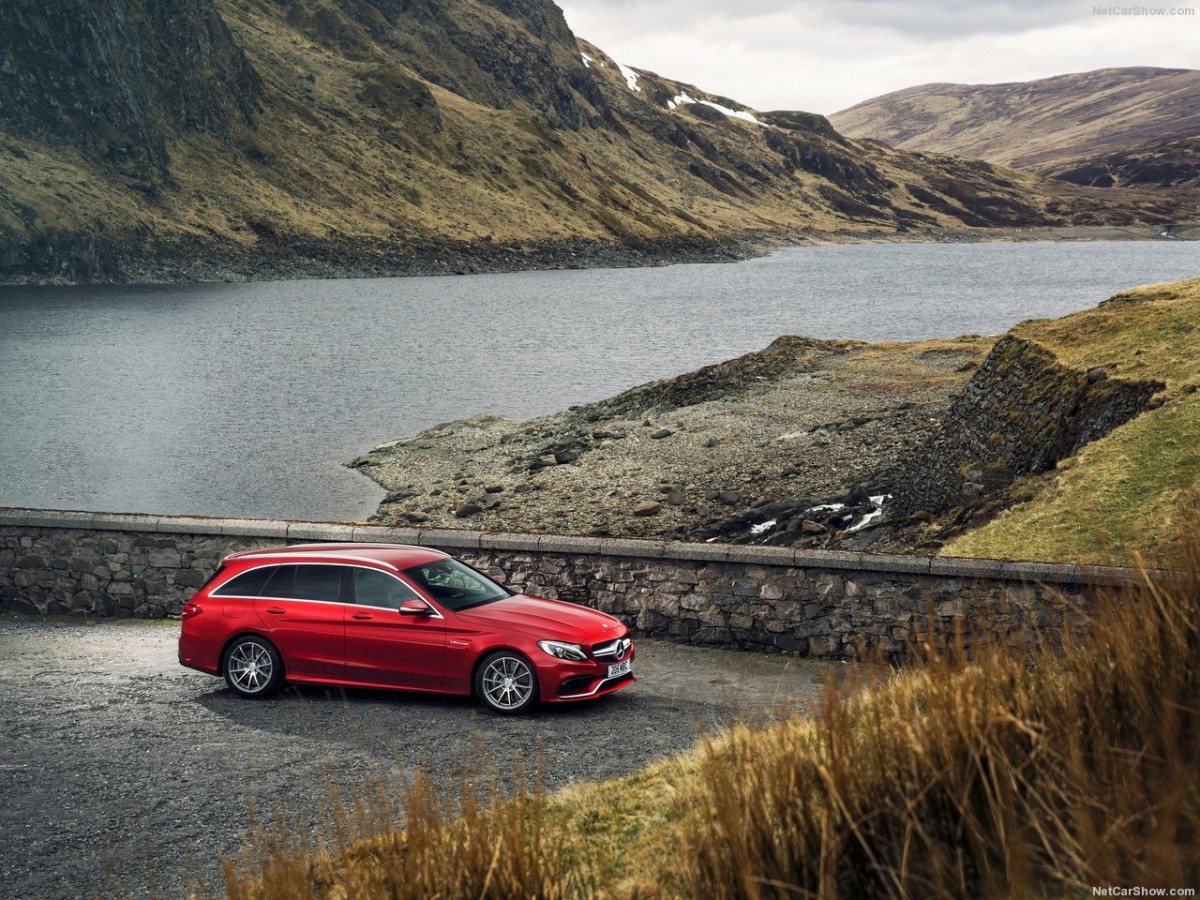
(825, 55)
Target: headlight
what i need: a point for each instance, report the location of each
(563, 650)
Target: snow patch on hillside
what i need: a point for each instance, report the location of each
(682, 97)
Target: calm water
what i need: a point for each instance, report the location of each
(245, 399)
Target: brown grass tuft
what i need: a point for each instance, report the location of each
(480, 840)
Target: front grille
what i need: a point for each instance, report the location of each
(614, 650)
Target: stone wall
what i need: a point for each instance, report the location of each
(807, 602)
(1021, 412)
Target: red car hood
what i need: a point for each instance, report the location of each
(542, 618)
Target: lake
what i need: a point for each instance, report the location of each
(247, 399)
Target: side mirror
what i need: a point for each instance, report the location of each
(415, 608)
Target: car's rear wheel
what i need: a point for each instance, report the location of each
(506, 683)
(253, 667)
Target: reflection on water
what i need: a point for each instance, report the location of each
(245, 399)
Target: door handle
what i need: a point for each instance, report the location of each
(276, 611)
(362, 616)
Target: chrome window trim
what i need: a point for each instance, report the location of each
(213, 592)
(304, 600)
(435, 613)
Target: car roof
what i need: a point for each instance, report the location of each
(390, 556)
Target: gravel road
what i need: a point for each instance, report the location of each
(122, 773)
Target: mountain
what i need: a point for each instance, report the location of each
(261, 138)
(1131, 126)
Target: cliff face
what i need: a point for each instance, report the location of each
(114, 78)
(1021, 412)
(495, 54)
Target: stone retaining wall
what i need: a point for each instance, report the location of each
(808, 602)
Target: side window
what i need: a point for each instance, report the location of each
(281, 583)
(375, 588)
(319, 583)
(248, 584)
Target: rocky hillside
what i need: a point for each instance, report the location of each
(253, 138)
(1131, 126)
(1167, 163)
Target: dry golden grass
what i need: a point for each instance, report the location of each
(1146, 332)
(940, 363)
(1036, 773)
(999, 777)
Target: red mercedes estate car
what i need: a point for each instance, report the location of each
(391, 616)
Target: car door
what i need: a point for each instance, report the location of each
(302, 609)
(386, 647)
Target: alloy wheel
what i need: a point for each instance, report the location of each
(250, 668)
(507, 683)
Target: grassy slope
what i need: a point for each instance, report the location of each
(352, 145)
(1120, 495)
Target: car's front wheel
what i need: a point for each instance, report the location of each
(506, 683)
(253, 667)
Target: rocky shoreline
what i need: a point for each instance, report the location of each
(894, 447)
(798, 444)
(88, 259)
(74, 259)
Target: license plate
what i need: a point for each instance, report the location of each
(621, 668)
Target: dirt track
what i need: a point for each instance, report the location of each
(123, 773)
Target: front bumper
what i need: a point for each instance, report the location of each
(585, 687)
(564, 681)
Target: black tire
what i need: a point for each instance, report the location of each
(253, 667)
(506, 683)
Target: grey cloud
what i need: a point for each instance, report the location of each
(940, 19)
(927, 19)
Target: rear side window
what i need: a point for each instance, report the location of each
(281, 582)
(319, 583)
(303, 582)
(248, 584)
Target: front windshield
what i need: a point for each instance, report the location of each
(454, 585)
